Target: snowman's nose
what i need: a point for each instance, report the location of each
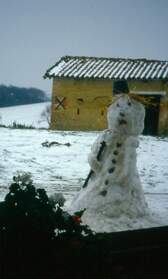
(122, 114)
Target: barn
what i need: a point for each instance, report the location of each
(82, 91)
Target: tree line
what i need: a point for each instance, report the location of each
(13, 95)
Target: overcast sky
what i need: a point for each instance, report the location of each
(34, 34)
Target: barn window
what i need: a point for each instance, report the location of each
(78, 111)
(102, 112)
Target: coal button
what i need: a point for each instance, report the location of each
(106, 182)
(111, 170)
(103, 193)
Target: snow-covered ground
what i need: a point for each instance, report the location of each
(24, 114)
(63, 169)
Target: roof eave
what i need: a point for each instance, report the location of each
(47, 75)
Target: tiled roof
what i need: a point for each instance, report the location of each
(108, 68)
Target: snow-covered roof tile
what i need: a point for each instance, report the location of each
(115, 69)
(108, 68)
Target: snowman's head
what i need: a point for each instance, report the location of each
(126, 115)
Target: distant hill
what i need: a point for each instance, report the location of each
(12, 96)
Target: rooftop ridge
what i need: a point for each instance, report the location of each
(116, 68)
(109, 58)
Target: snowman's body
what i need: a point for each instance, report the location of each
(114, 198)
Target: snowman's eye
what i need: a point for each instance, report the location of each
(118, 105)
(119, 144)
(129, 104)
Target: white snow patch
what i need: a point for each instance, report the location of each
(24, 114)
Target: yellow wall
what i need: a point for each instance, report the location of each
(90, 114)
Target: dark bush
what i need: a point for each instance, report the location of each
(31, 227)
(26, 208)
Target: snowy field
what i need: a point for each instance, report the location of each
(63, 168)
(24, 114)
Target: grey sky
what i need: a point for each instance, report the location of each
(36, 33)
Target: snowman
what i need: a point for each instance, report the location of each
(112, 196)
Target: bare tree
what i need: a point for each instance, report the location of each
(46, 114)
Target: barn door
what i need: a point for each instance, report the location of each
(152, 116)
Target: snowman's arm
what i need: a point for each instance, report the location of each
(95, 165)
(95, 154)
(95, 160)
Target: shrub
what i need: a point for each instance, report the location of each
(16, 125)
(26, 208)
(46, 115)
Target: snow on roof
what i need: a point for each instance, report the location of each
(108, 68)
